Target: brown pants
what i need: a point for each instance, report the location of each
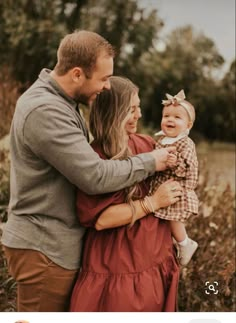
(42, 286)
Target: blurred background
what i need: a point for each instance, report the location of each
(162, 46)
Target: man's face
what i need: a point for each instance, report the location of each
(99, 81)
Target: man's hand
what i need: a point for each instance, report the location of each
(161, 157)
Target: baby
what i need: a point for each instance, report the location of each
(177, 119)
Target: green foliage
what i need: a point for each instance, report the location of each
(187, 62)
(30, 31)
(190, 62)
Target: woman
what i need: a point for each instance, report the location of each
(129, 261)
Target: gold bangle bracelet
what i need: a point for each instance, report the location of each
(133, 212)
(144, 206)
(147, 198)
(147, 206)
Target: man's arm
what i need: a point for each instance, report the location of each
(52, 135)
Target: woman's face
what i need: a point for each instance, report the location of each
(134, 114)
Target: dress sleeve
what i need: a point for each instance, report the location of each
(89, 207)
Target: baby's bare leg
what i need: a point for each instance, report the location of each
(178, 231)
(185, 246)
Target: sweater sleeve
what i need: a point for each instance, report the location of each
(52, 134)
(88, 207)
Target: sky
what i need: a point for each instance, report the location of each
(214, 18)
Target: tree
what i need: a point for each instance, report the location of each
(31, 30)
(188, 62)
(227, 93)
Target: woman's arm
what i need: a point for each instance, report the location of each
(121, 214)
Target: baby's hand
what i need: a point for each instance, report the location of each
(171, 160)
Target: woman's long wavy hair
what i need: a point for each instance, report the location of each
(108, 116)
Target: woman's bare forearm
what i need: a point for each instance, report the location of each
(118, 215)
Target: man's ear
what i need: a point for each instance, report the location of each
(76, 74)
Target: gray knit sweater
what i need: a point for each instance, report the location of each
(50, 157)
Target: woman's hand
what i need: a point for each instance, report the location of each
(167, 193)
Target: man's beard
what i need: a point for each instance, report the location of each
(81, 98)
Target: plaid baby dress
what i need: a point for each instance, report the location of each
(186, 173)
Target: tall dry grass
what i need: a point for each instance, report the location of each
(214, 261)
(9, 93)
(7, 284)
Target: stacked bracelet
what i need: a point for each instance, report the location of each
(147, 205)
(133, 212)
(144, 206)
(150, 204)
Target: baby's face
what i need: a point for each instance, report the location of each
(175, 120)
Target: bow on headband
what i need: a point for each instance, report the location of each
(178, 99)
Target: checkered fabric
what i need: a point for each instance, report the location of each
(186, 173)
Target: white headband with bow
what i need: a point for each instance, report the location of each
(178, 100)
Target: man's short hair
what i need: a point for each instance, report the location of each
(81, 48)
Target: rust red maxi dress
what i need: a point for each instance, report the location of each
(125, 270)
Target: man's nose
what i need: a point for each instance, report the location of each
(107, 85)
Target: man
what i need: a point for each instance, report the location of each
(50, 157)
